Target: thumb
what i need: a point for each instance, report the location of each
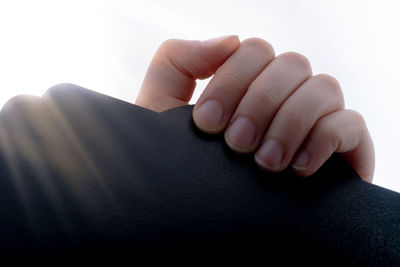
(171, 77)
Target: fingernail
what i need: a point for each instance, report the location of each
(302, 161)
(216, 40)
(270, 154)
(241, 133)
(209, 115)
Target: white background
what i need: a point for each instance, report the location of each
(106, 46)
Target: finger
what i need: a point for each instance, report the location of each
(343, 131)
(219, 100)
(171, 77)
(263, 98)
(318, 96)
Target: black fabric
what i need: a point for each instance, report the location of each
(86, 174)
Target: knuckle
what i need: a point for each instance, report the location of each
(358, 119)
(20, 102)
(295, 118)
(259, 44)
(327, 80)
(331, 84)
(328, 135)
(169, 53)
(268, 95)
(232, 80)
(336, 138)
(168, 45)
(296, 60)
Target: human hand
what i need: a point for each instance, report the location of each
(269, 105)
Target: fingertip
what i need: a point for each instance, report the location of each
(232, 40)
(302, 161)
(219, 49)
(262, 165)
(222, 40)
(235, 148)
(208, 117)
(302, 173)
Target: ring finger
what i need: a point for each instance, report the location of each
(263, 98)
(318, 96)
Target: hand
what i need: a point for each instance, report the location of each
(269, 105)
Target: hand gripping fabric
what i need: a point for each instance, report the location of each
(84, 174)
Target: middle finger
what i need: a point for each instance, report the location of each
(263, 98)
(317, 97)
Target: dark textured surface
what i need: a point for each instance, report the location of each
(84, 173)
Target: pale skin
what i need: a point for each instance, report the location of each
(270, 106)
